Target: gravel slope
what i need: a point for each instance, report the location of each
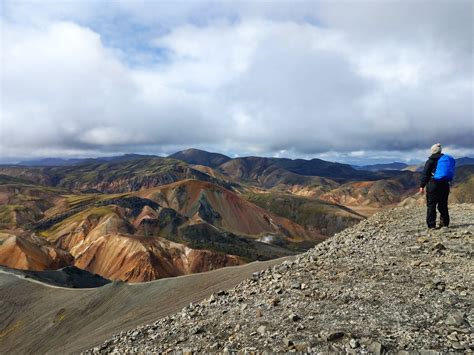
(36, 318)
(387, 284)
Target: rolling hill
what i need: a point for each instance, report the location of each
(379, 193)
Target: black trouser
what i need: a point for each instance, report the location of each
(437, 193)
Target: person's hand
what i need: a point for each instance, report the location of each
(422, 190)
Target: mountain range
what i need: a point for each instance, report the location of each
(138, 218)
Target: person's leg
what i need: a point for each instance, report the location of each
(431, 202)
(443, 205)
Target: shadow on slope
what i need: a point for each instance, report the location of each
(70, 276)
(37, 318)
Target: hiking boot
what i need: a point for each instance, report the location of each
(442, 223)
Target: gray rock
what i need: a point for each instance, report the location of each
(455, 318)
(296, 285)
(457, 345)
(354, 343)
(294, 317)
(301, 346)
(288, 343)
(335, 336)
(439, 246)
(375, 348)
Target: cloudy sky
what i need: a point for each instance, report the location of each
(349, 81)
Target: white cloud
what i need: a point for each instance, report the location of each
(388, 77)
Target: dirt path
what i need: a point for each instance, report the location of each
(37, 318)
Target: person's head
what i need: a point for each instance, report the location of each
(436, 148)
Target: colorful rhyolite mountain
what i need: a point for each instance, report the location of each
(139, 218)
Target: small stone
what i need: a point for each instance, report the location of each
(275, 301)
(301, 346)
(262, 330)
(439, 246)
(354, 343)
(288, 343)
(453, 336)
(457, 345)
(300, 327)
(197, 330)
(214, 347)
(416, 263)
(335, 336)
(296, 285)
(294, 317)
(455, 318)
(375, 348)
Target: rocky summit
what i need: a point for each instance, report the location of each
(385, 285)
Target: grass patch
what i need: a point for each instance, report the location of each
(60, 316)
(310, 213)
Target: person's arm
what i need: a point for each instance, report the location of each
(426, 175)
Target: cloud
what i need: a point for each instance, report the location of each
(317, 79)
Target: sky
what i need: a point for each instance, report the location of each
(349, 81)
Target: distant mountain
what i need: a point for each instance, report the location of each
(381, 167)
(251, 165)
(69, 162)
(464, 161)
(262, 172)
(318, 167)
(200, 157)
(122, 174)
(377, 193)
(49, 162)
(413, 167)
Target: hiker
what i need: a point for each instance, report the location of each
(438, 172)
